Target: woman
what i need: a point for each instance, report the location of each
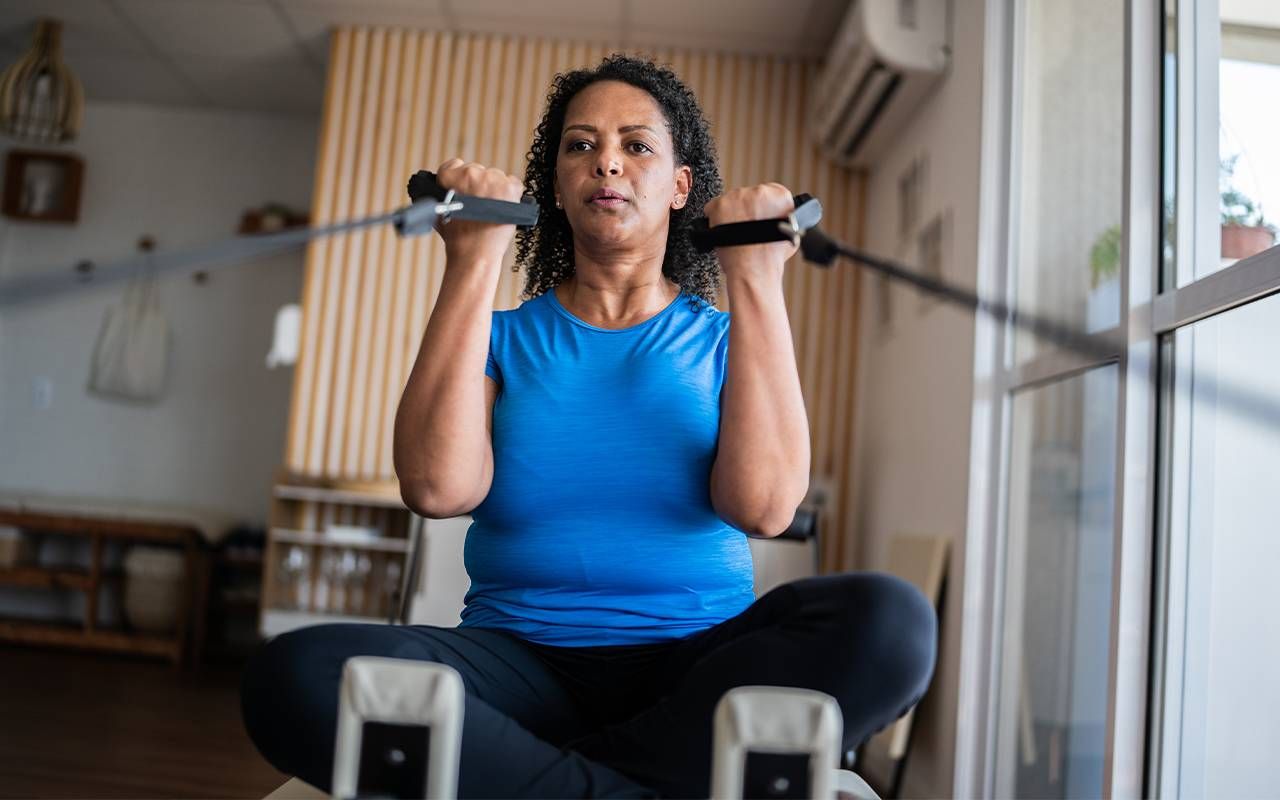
(614, 438)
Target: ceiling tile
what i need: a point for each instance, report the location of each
(821, 24)
(245, 53)
(130, 79)
(281, 84)
(87, 27)
(571, 18)
(548, 27)
(702, 39)
(726, 18)
(312, 19)
(213, 28)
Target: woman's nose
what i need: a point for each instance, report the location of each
(608, 164)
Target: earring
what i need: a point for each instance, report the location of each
(558, 204)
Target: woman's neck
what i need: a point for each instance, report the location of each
(619, 295)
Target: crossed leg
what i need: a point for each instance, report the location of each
(868, 640)
(515, 709)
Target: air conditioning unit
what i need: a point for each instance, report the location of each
(886, 57)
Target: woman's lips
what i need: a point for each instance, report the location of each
(606, 198)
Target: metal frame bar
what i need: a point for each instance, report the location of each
(1169, 613)
(1239, 284)
(1057, 365)
(978, 665)
(1125, 760)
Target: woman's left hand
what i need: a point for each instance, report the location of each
(765, 201)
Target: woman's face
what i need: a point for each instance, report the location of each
(616, 173)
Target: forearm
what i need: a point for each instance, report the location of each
(442, 452)
(761, 471)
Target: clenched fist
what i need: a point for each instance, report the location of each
(765, 201)
(468, 242)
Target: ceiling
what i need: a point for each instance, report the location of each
(269, 55)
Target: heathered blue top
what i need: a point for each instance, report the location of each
(598, 528)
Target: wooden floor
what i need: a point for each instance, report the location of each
(96, 726)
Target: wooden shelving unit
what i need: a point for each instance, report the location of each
(72, 633)
(46, 578)
(321, 539)
(182, 647)
(299, 586)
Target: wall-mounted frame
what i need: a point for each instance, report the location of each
(42, 186)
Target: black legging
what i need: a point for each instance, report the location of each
(616, 721)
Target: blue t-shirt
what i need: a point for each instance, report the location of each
(598, 528)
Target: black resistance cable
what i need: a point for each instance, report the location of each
(432, 205)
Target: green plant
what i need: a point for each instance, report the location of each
(1237, 208)
(1104, 256)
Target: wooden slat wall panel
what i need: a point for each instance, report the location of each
(401, 100)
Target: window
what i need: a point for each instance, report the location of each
(1216, 709)
(1057, 614)
(1224, 635)
(1068, 153)
(1122, 545)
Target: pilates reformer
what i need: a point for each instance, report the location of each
(399, 729)
(400, 722)
(400, 736)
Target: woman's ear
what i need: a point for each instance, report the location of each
(684, 184)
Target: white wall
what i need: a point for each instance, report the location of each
(915, 378)
(214, 440)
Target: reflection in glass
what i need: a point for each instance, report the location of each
(1248, 130)
(1057, 609)
(1222, 703)
(293, 575)
(1068, 163)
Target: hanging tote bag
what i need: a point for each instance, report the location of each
(132, 353)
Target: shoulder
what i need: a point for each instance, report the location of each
(703, 314)
(528, 311)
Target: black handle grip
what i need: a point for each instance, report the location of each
(759, 231)
(424, 183)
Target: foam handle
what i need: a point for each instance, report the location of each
(757, 231)
(424, 183)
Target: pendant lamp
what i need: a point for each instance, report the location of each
(40, 99)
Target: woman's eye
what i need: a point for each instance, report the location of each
(639, 147)
(579, 145)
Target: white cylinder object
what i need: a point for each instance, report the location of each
(153, 587)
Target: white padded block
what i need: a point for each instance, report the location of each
(404, 692)
(773, 719)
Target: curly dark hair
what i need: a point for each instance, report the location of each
(545, 251)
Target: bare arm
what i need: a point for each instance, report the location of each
(761, 471)
(443, 448)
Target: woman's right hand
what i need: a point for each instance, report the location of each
(466, 241)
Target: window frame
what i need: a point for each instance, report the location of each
(1148, 559)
